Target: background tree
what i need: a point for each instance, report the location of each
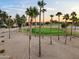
(3, 17)
(75, 23)
(73, 18)
(9, 23)
(51, 28)
(43, 11)
(23, 20)
(58, 14)
(66, 17)
(20, 20)
(36, 13)
(1, 22)
(41, 4)
(31, 13)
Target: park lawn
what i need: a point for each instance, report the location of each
(74, 33)
(24, 30)
(46, 31)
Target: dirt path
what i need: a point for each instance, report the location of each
(17, 47)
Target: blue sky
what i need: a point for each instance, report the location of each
(53, 6)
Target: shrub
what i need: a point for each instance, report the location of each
(2, 41)
(64, 25)
(2, 36)
(2, 51)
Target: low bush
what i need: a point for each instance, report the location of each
(2, 41)
(2, 51)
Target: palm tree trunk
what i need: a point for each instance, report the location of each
(39, 34)
(50, 40)
(9, 33)
(43, 24)
(58, 27)
(30, 33)
(9, 28)
(29, 46)
(35, 25)
(65, 33)
(71, 31)
(75, 26)
(43, 19)
(35, 22)
(50, 31)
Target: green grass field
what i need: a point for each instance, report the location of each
(45, 31)
(48, 31)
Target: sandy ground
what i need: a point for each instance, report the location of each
(17, 47)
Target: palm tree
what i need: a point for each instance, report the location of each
(36, 13)
(1, 21)
(0, 14)
(73, 14)
(43, 11)
(51, 28)
(73, 18)
(66, 17)
(41, 4)
(18, 21)
(9, 23)
(58, 14)
(4, 16)
(23, 19)
(31, 13)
